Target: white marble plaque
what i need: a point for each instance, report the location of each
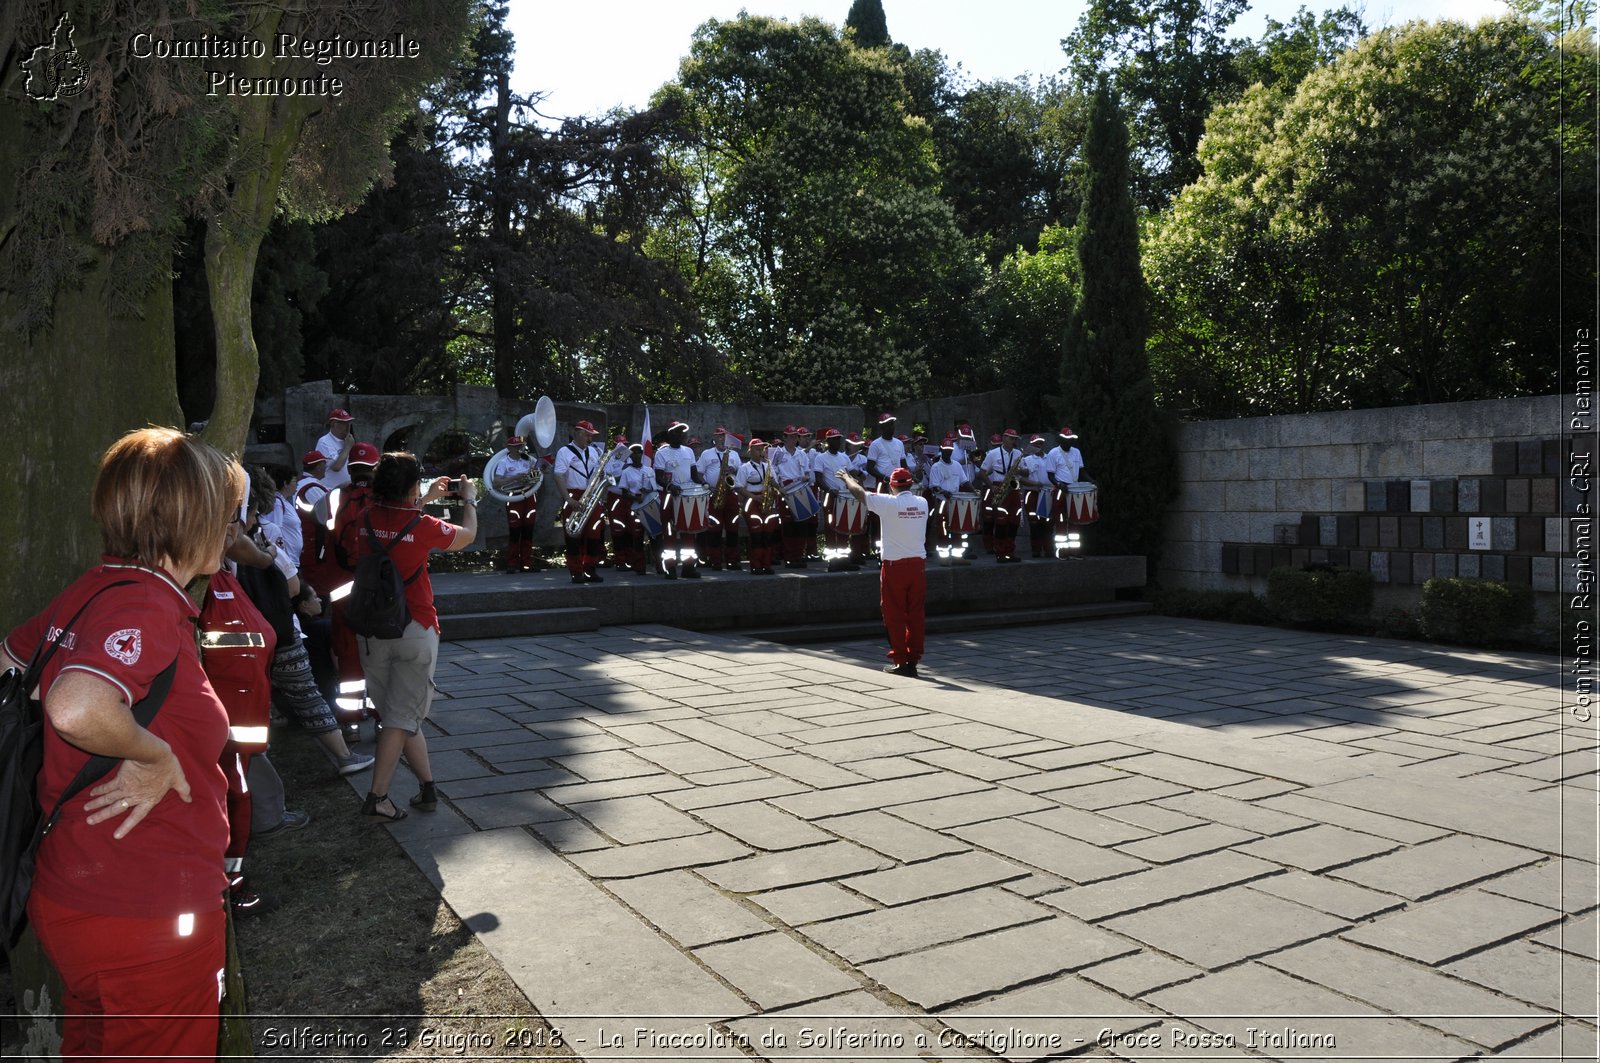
(1478, 533)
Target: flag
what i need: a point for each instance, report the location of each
(644, 435)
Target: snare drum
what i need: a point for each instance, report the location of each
(649, 514)
(802, 502)
(692, 509)
(849, 515)
(964, 514)
(1083, 503)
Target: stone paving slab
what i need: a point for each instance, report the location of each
(989, 858)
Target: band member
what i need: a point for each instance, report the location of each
(986, 488)
(1005, 509)
(942, 483)
(1036, 487)
(347, 504)
(336, 446)
(576, 464)
(790, 466)
(636, 484)
(826, 464)
(514, 473)
(616, 507)
(761, 506)
(886, 453)
(902, 580)
(1063, 466)
(675, 470)
(719, 543)
(808, 459)
(856, 451)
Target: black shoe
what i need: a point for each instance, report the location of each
(291, 821)
(691, 573)
(369, 807)
(248, 903)
(594, 577)
(670, 574)
(579, 579)
(427, 799)
(907, 670)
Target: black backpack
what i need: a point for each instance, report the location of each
(22, 823)
(377, 607)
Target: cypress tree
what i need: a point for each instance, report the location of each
(1107, 389)
(866, 20)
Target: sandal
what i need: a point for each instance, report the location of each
(426, 800)
(370, 808)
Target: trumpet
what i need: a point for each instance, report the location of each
(599, 484)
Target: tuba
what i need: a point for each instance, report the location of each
(541, 426)
(599, 484)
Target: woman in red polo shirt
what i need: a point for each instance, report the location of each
(400, 671)
(129, 889)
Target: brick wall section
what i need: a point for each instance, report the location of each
(1389, 491)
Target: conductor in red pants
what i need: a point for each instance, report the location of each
(902, 580)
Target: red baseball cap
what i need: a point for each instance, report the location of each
(885, 418)
(340, 415)
(828, 433)
(900, 478)
(514, 441)
(313, 457)
(364, 454)
(1011, 433)
(1067, 433)
(585, 426)
(757, 441)
(802, 431)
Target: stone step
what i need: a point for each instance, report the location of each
(947, 622)
(521, 622)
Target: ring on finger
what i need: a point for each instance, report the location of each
(125, 803)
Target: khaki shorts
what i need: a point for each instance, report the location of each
(400, 675)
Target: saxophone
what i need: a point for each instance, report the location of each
(724, 484)
(599, 484)
(770, 492)
(1009, 484)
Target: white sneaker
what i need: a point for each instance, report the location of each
(354, 762)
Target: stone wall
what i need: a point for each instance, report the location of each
(1391, 491)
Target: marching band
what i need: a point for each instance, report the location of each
(786, 500)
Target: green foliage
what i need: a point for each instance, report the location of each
(1026, 306)
(1288, 51)
(1172, 60)
(1476, 612)
(1320, 596)
(1234, 607)
(819, 243)
(1107, 391)
(867, 24)
(1388, 232)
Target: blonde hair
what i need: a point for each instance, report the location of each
(164, 496)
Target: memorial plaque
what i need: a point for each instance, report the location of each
(1480, 533)
(1421, 496)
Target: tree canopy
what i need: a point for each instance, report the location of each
(1386, 232)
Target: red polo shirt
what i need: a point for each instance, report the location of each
(410, 554)
(171, 863)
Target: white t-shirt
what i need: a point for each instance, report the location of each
(885, 455)
(789, 468)
(331, 446)
(998, 462)
(1064, 464)
(826, 466)
(904, 521)
(676, 462)
(639, 482)
(575, 464)
(945, 476)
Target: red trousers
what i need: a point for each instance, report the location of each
(902, 592)
(585, 549)
(521, 518)
(135, 988)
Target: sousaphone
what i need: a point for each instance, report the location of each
(541, 426)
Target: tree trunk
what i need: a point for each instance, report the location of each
(503, 308)
(70, 391)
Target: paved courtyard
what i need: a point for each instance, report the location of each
(1136, 839)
